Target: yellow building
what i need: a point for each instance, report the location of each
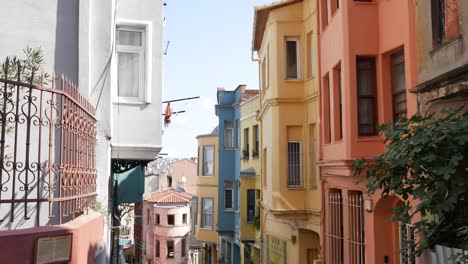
(207, 186)
(285, 39)
(250, 183)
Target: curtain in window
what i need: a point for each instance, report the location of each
(228, 135)
(128, 74)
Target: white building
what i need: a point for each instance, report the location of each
(112, 51)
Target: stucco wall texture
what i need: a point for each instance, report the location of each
(163, 232)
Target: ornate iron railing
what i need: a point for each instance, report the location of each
(47, 148)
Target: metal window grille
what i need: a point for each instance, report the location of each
(294, 164)
(276, 250)
(47, 148)
(356, 245)
(406, 243)
(335, 227)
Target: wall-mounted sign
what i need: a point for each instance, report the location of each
(53, 249)
(276, 250)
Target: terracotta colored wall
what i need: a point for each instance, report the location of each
(376, 29)
(18, 246)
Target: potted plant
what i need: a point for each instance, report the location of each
(254, 154)
(245, 154)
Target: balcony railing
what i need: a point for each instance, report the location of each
(47, 149)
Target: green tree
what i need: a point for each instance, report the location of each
(426, 161)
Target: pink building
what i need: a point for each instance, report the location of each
(166, 226)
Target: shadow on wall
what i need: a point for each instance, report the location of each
(66, 39)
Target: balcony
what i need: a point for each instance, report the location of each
(47, 150)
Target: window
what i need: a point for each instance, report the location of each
(228, 135)
(228, 195)
(156, 222)
(238, 136)
(169, 181)
(334, 223)
(310, 55)
(228, 251)
(184, 219)
(338, 108)
(292, 58)
(334, 4)
(130, 51)
(294, 164)
(147, 216)
(324, 13)
(170, 249)
(398, 85)
(367, 96)
(170, 219)
(445, 21)
(195, 211)
(207, 213)
(263, 65)
(208, 160)
(257, 142)
(355, 204)
(312, 157)
(327, 110)
(250, 205)
(246, 150)
(183, 246)
(198, 161)
(158, 249)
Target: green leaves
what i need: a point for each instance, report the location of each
(426, 161)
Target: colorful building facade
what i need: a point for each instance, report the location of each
(285, 39)
(166, 227)
(250, 184)
(368, 63)
(207, 200)
(228, 112)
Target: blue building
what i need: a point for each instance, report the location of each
(228, 112)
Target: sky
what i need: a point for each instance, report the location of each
(210, 47)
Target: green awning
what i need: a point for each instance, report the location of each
(130, 185)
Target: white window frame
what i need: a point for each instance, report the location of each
(207, 147)
(232, 135)
(144, 89)
(301, 176)
(296, 39)
(227, 187)
(203, 224)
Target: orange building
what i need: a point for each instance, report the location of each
(368, 64)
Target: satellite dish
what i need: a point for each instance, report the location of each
(184, 180)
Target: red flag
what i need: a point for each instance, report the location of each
(167, 116)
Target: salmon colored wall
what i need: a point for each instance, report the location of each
(376, 29)
(18, 246)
